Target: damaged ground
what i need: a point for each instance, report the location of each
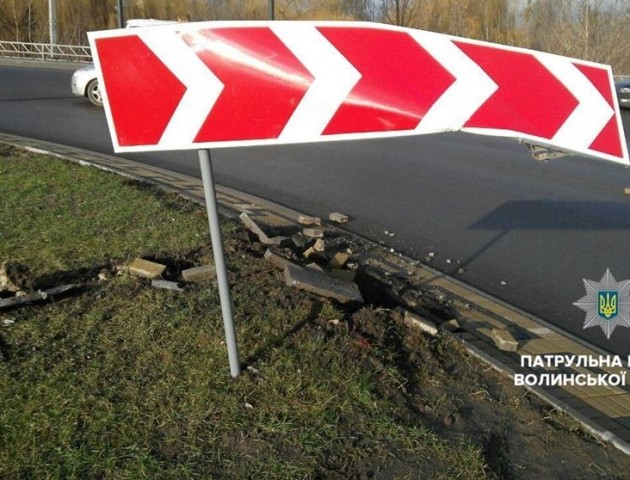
(123, 378)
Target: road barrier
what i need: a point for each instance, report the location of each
(45, 51)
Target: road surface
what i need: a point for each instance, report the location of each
(524, 231)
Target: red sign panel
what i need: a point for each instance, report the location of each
(219, 84)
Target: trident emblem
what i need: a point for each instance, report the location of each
(607, 304)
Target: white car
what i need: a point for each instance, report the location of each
(84, 82)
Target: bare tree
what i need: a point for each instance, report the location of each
(399, 12)
(591, 29)
(586, 29)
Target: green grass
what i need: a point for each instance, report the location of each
(58, 216)
(125, 381)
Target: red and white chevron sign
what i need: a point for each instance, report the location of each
(220, 84)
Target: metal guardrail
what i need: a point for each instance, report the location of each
(45, 51)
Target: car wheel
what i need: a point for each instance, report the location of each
(94, 93)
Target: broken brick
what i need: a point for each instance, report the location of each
(339, 260)
(504, 340)
(306, 220)
(314, 255)
(262, 236)
(338, 217)
(416, 322)
(319, 245)
(166, 285)
(199, 274)
(146, 269)
(313, 232)
(450, 325)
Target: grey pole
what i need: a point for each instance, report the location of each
(52, 22)
(271, 10)
(219, 261)
(121, 16)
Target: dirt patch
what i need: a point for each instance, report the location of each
(439, 385)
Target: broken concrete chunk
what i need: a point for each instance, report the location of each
(450, 325)
(416, 322)
(146, 269)
(314, 266)
(504, 340)
(321, 284)
(274, 222)
(253, 227)
(39, 296)
(344, 275)
(306, 220)
(278, 241)
(339, 260)
(338, 217)
(300, 240)
(21, 300)
(199, 274)
(313, 254)
(319, 245)
(313, 232)
(166, 285)
(277, 260)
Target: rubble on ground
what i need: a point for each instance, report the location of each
(199, 274)
(265, 239)
(146, 268)
(308, 221)
(276, 260)
(322, 284)
(166, 285)
(338, 217)
(504, 340)
(36, 297)
(314, 232)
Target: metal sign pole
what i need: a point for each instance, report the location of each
(121, 14)
(219, 261)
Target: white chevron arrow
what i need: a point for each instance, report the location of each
(334, 78)
(471, 89)
(202, 86)
(593, 111)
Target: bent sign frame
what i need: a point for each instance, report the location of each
(225, 84)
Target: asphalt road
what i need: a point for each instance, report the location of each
(524, 231)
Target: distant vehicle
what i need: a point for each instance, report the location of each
(84, 82)
(623, 93)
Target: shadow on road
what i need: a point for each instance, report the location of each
(556, 215)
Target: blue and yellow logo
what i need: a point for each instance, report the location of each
(607, 304)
